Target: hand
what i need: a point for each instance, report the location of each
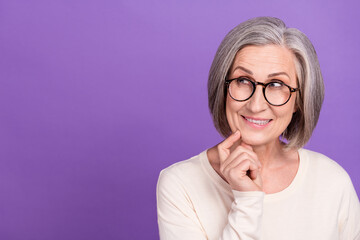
(241, 166)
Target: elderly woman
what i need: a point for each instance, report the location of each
(265, 94)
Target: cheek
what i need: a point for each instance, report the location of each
(287, 118)
(285, 115)
(231, 112)
(232, 115)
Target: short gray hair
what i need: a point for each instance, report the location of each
(265, 31)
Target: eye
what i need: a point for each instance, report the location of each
(275, 85)
(243, 81)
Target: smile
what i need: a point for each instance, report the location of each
(260, 122)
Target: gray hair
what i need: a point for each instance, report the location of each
(264, 31)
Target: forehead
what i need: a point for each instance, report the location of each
(268, 58)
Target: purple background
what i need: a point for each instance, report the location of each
(98, 96)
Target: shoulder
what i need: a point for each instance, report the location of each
(184, 167)
(183, 172)
(324, 167)
(180, 182)
(320, 160)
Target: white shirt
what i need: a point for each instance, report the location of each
(194, 202)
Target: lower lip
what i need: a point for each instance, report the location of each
(256, 126)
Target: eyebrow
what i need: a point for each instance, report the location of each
(278, 73)
(244, 69)
(269, 76)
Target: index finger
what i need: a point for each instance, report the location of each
(224, 147)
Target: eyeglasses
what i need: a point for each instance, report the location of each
(276, 93)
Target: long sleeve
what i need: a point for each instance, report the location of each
(245, 216)
(349, 217)
(178, 218)
(194, 202)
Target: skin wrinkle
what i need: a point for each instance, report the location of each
(279, 167)
(263, 60)
(251, 73)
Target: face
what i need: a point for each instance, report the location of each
(259, 122)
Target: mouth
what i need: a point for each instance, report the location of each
(259, 122)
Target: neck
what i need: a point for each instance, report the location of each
(270, 154)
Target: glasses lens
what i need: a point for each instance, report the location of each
(241, 89)
(277, 93)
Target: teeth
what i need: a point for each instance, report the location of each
(258, 122)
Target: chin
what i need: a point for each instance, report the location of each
(254, 140)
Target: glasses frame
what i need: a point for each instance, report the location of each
(264, 85)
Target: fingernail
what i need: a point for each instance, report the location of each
(236, 133)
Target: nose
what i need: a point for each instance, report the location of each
(257, 102)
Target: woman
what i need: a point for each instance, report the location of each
(265, 94)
